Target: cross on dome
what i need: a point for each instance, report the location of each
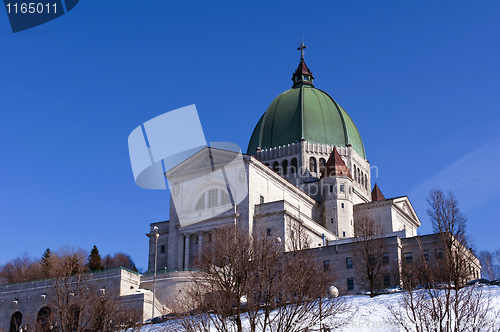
(301, 48)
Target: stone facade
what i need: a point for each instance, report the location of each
(399, 247)
(278, 201)
(326, 206)
(27, 299)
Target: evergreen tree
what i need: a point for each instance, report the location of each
(46, 263)
(94, 260)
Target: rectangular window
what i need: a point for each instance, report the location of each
(348, 263)
(350, 284)
(332, 220)
(162, 249)
(268, 232)
(212, 198)
(342, 205)
(341, 188)
(372, 260)
(326, 265)
(387, 280)
(408, 257)
(439, 254)
(343, 234)
(385, 258)
(261, 199)
(426, 255)
(331, 188)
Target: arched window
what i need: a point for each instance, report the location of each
(284, 167)
(43, 320)
(293, 168)
(355, 175)
(362, 179)
(200, 205)
(312, 165)
(267, 164)
(276, 166)
(366, 182)
(212, 198)
(322, 165)
(16, 321)
(224, 198)
(359, 179)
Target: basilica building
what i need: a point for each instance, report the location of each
(306, 166)
(305, 169)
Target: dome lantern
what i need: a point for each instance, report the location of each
(302, 76)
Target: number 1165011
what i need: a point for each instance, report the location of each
(31, 8)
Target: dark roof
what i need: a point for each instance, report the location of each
(335, 166)
(302, 69)
(377, 194)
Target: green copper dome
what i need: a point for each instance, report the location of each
(305, 112)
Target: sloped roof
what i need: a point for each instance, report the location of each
(335, 166)
(377, 194)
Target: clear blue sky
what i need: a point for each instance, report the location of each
(420, 79)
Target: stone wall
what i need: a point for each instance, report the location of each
(29, 297)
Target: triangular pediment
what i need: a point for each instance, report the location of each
(403, 203)
(204, 161)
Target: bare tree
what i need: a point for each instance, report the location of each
(118, 260)
(266, 283)
(304, 300)
(451, 224)
(447, 306)
(251, 277)
(225, 268)
(78, 304)
(20, 269)
(444, 310)
(369, 250)
(489, 264)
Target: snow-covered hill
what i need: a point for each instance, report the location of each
(368, 314)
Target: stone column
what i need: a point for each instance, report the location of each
(186, 251)
(200, 241)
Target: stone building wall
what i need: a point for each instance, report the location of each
(29, 297)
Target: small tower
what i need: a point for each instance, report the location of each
(377, 194)
(336, 183)
(302, 76)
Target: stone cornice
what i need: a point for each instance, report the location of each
(280, 180)
(211, 223)
(305, 220)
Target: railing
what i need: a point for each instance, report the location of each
(170, 270)
(86, 273)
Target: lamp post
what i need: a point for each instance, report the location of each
(154, 279)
